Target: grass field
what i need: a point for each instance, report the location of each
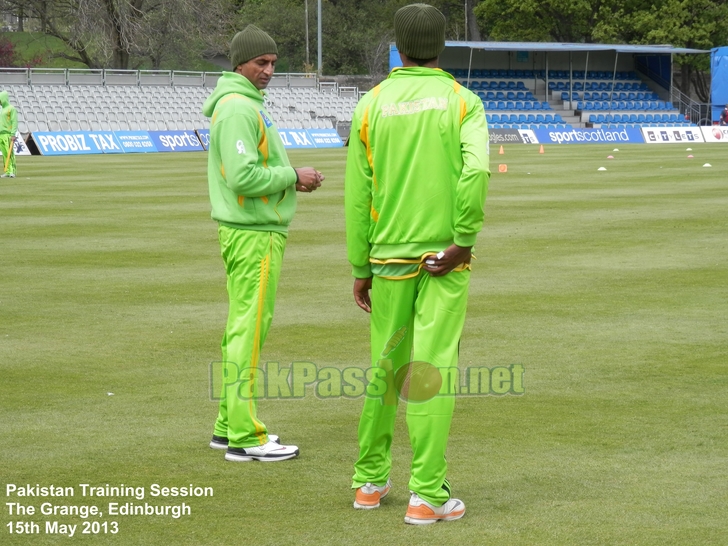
(609, 288)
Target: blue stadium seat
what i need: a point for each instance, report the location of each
(501, 105)
(520, 85)
(500, 95)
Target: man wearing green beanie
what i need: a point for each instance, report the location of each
(253, 195)
(416, 180)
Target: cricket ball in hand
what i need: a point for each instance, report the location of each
(418, 381)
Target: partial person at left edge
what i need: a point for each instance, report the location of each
(8, 130)
(253, 194)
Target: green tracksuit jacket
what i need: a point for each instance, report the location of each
(252, 185)
(9, 116)
(407, 195)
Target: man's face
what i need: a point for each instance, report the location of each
(259, 70)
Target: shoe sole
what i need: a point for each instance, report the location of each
(419, 521)
(261, 458)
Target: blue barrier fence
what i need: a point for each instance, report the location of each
(118, 142)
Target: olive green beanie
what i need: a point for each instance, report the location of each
(249, 43)
(419, 30)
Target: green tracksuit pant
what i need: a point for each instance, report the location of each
(253, 264)
(6, 148)
(432, 309)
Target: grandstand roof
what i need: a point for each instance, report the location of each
(557, 46)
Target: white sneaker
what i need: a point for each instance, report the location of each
(267, 452)
(369, 495)
(220, 442)
(421, 512)
(8, 175)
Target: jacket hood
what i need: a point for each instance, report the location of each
(4, 98)
(231, 82)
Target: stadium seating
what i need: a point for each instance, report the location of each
(134, 107)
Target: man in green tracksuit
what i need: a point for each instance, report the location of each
(416, 180)
(8, 130)
(253, 195)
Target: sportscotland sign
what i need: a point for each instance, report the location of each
(628, 135)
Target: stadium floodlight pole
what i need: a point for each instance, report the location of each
(320, 72)
(466, 20)
(308, 62)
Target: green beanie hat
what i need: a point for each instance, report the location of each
(420, 31)
(249, 43)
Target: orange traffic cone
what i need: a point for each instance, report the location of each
(502, 168)
(541, 149)
(501, 152)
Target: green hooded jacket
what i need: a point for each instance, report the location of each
(8, 116)
(417, 168)
(251, 181)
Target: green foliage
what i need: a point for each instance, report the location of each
(38, 49)
(699, 24)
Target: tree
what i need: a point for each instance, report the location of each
(122, 33)
(698, 24)
(540, 20)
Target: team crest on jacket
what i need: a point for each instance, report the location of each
(267, 121)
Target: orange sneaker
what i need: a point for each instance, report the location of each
(369, 495)
(421, 512)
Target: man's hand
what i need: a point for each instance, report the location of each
(361, 293)
(452, 257)
(309, 179)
